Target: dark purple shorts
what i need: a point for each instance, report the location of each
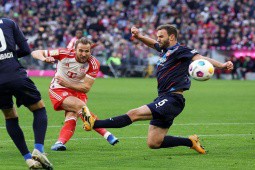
(23, 89)
(165, 108)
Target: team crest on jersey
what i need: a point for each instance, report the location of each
(54, 52)
(168, 53)
(65, 93)
(194, 51)
(93, 73)
(83, 69)
(162, 60)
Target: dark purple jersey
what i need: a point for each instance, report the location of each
(172, 68)
(10, 37)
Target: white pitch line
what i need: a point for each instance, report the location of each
(138, 137)
(181, 124)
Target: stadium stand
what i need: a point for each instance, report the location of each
(205, 25)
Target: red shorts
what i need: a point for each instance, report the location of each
(57, 96)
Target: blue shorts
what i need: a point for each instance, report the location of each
(24, 90)
(165, 108)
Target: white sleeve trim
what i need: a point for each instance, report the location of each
(90, 77)
(46, 53)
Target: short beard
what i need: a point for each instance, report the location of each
(165, 44)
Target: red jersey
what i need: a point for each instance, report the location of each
(70, 69)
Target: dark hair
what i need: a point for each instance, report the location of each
(170, 29)
(84, 41)
(78, 31)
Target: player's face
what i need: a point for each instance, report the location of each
(83, 52)
(78, 34)
(163, 38)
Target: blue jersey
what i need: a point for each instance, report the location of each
(172, 68)
(10, 37)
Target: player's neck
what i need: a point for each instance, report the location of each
(172, 44)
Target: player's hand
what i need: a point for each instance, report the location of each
(228, 65)
(49, 60)
(135, 32)
(61, 81)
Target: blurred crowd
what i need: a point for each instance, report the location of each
(243, 66)
(202, 24)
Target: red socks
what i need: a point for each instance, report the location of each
(67, 131)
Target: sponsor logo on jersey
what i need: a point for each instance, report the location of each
(168, 53)
(93, 73)
(162, 60)
(194, 51)
(83, 68)
(54, 52)
(65, 93)
(71, 74)
(6, 55)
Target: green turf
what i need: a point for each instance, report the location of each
(222, 113)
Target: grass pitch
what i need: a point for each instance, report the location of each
(220, 112)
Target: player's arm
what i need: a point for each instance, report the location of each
(42, 55)
(82, 87)
(71, 44)
(227, 65)
(23, 50)
(21, 42)
(146, 40)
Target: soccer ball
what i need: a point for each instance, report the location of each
(201, 70)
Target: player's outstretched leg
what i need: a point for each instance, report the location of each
(40, 157)
(115, 122)
(106, 134)
(196, 144)
(102, 131)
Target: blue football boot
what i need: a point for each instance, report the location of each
(112, 139)
(59, 146)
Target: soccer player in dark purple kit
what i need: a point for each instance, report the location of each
(173, 80)
(15, 83)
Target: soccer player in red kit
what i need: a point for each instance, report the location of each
(78, 35)
(74, 77)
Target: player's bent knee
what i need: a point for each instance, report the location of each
(36, 106)
(77, 107)
(153, 145)
(10, 113)
(154, 142)
(70, 116)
